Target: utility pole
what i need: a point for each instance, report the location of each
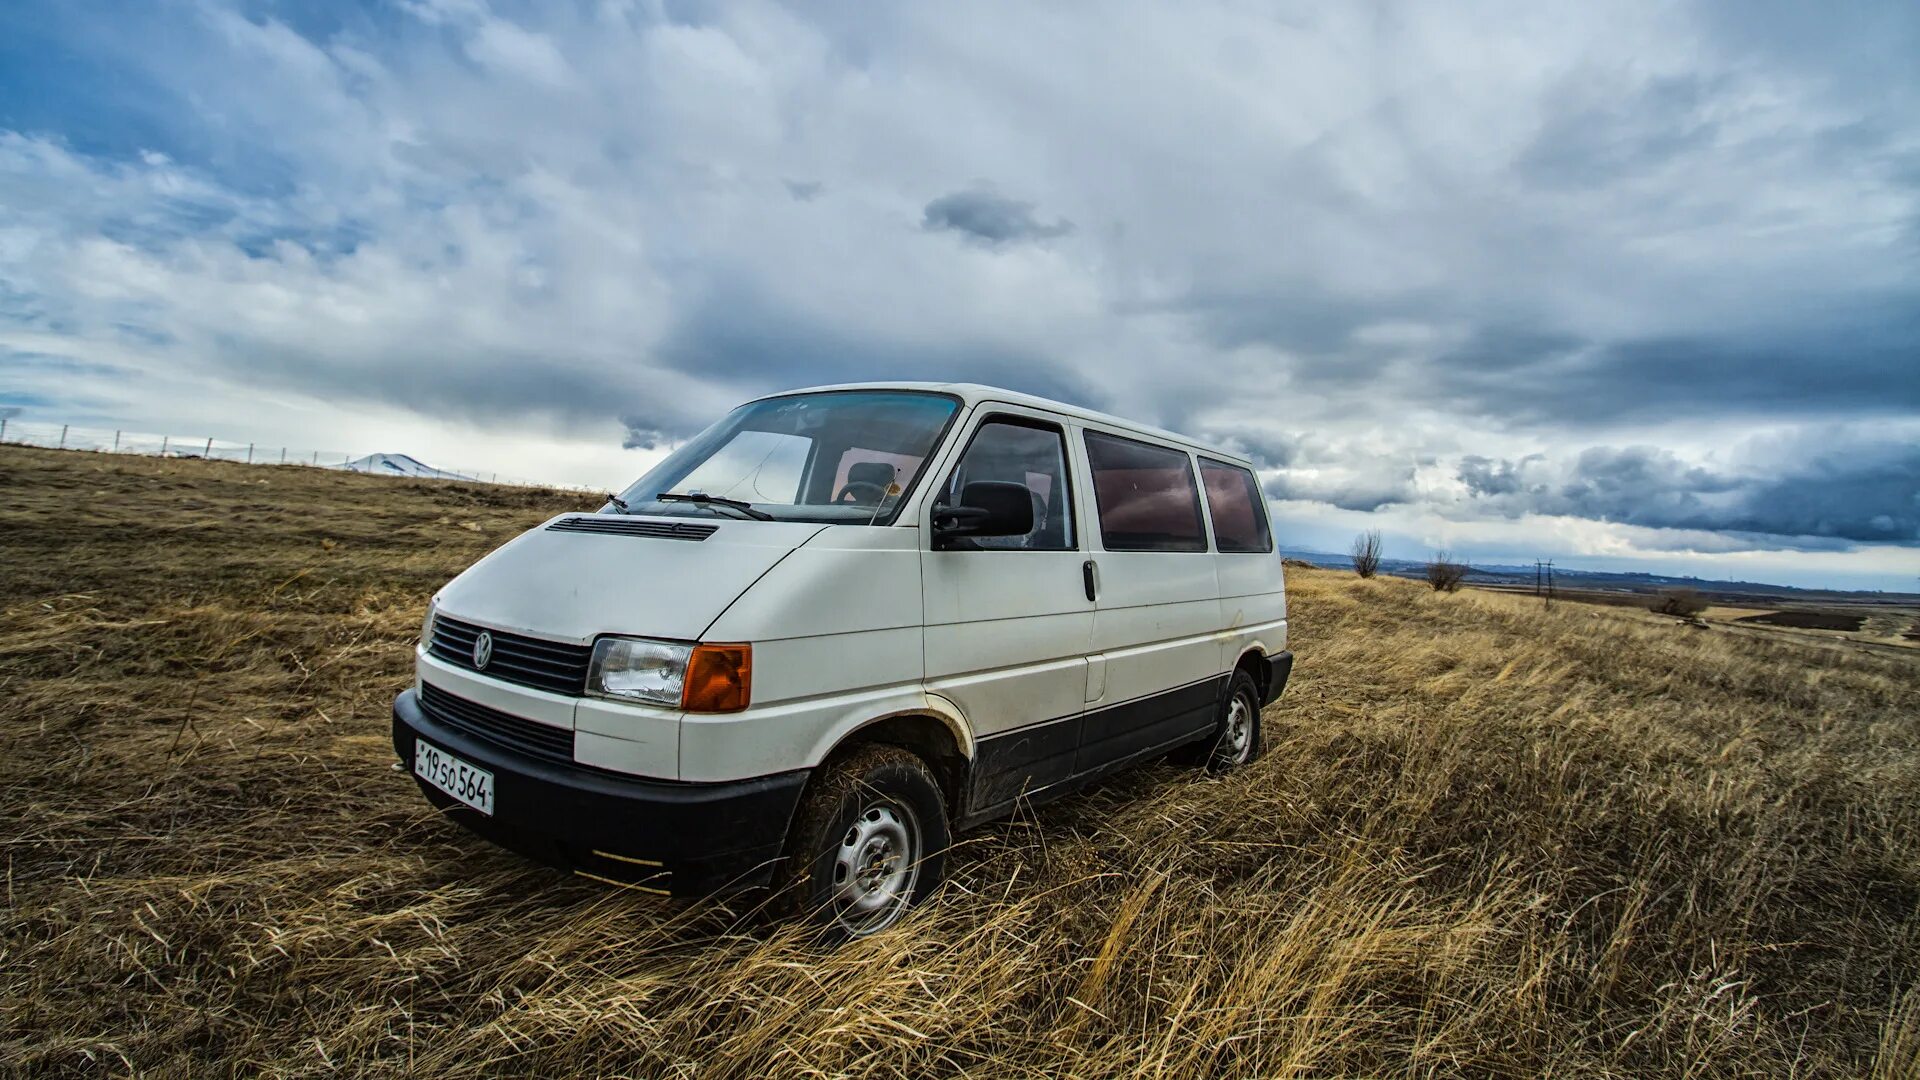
(116, 442)
(249, 453)
(63, 436)
(1549, 582)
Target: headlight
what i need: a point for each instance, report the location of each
(426, 625)
(639, 670)
(697, 678)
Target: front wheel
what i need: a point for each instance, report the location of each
(868, 843)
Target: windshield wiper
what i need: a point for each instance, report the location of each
(619, 503)
(700, 499)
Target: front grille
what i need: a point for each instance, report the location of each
(502, 729)
(529, 661)
(606, 523)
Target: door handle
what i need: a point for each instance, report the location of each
(1088, 579)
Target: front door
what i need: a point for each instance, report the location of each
(1008, 618)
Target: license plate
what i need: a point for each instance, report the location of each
(468, 783)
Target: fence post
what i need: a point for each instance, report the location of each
(316, 457)
(3, 429)
(283, 455)
(208, 452)
(116, 442)
(163, 444)
(63, 436)
(249, 453)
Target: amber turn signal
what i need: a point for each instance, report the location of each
(719, 678)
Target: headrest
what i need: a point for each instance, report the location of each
(877, 473)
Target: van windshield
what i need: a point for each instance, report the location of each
(842, 456)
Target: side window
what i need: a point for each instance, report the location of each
(1033, 455)
(1146, 495)
(1239, 511)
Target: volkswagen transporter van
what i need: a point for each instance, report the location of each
(837, 627)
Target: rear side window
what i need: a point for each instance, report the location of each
(1238, 510)
(1146, 496)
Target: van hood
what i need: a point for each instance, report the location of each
(555, 581)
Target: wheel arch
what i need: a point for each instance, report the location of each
(1254, 661)
(940, 739)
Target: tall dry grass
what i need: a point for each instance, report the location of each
(1486, 839)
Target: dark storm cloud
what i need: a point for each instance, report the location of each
(1306, 319)
(1591, 143)
(804, 190)
(491, 388)
(1266, 449)
(645, 431)
(989, 217)
(1863, 360)
(1855, 489)
(738, 334)
(1487, 476)
(1864, 367)
(1861, 54)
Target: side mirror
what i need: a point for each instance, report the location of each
(987, 508)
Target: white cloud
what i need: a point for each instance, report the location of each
(1372, 241)
(504, 47)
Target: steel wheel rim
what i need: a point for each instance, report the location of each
(875, 867)
(1237, 740)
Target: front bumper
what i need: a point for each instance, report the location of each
(678, 838)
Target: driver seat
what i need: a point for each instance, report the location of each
(878, 473)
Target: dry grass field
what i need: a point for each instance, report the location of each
(1486, 840)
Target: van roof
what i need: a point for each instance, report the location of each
(974, 393)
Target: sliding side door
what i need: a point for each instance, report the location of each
(1155, 667)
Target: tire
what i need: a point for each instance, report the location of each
(868, 843)
(1236, 736)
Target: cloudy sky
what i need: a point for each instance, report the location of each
(1637, 287)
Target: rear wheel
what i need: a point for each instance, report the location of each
(869, 842)
(1236, 739)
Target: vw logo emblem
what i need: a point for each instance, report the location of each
(482, 651)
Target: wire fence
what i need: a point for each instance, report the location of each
(107, 441)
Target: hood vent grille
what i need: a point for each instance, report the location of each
(621, 526)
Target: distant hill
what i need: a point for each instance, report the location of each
(397, 465)
(1602, 581)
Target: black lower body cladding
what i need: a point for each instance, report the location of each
(1279, 670)
(682, 838)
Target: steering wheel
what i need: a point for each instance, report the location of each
(856, 487)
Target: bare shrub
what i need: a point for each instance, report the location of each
(1444, 574)
(1680, 603)
(1366, 553)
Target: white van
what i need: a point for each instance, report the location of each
(840, 625)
